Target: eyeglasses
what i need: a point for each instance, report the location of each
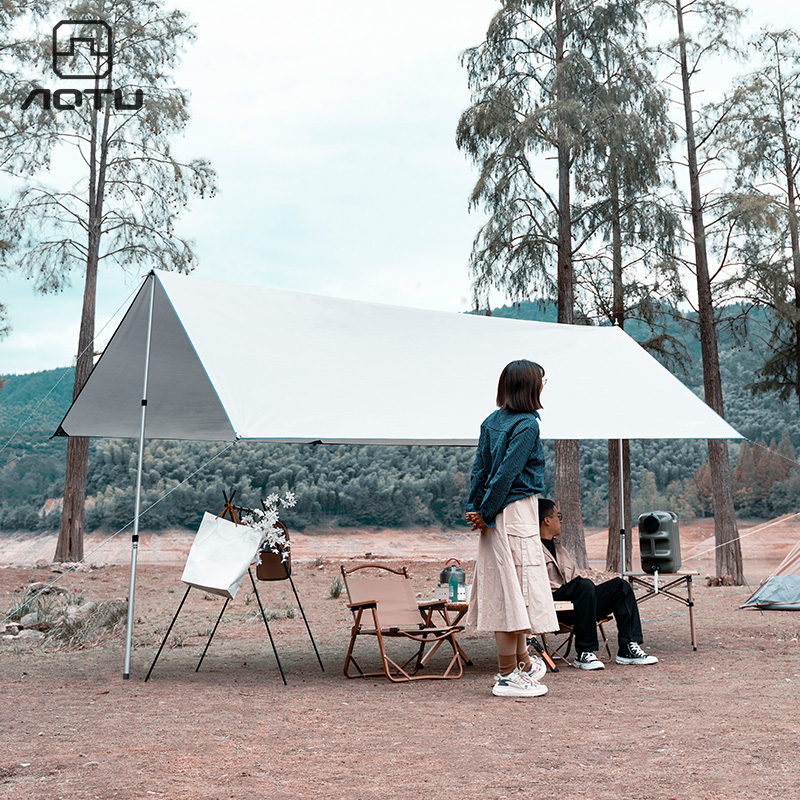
(544, 381)
(558, 514)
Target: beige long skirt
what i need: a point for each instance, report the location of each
(511, 590)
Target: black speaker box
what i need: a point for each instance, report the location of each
(659, 542)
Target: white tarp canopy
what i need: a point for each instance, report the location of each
(230, 361)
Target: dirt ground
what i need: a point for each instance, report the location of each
(717, 723)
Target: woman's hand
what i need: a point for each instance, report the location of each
(476, 521)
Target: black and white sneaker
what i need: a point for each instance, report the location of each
(633, 654)
(588, 661)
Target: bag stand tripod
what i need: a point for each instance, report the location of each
(277, 569)
(272, 565)
(219, 619)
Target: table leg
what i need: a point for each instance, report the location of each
(427, 656)
(667, 590)
(691, 611)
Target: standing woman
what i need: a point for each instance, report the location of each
(511, 593)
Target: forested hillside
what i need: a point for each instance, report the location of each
(387, 486)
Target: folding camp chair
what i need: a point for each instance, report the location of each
(560, 651)
(384, 607)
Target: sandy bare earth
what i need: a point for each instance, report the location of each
(718, 723)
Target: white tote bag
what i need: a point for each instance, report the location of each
(220, 556)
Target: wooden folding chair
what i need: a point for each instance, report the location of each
(384, 607)
(560, 651)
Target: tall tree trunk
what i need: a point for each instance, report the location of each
(567, 491)
(613, 555)
(729, 550)
(796, 281)
(567, 467)
(69, 546)
(70, 536)
(791, 196)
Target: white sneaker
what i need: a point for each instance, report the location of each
(633, 654)
(517, 684)
(537, 670)
(588, 661)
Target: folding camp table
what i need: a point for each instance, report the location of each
(460, 611)
(674, 585)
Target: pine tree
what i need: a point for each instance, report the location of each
(703, 487)
(648, 497)
(786, 449)
(536, 113)
(123, 210)
(621, 170)
(716, 19)
(14, 54)
(760, 133)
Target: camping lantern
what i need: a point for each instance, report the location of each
(659, 542)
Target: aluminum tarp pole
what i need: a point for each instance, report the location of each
(622, 508)
(126, 670)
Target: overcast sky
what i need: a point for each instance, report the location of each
(332, 129)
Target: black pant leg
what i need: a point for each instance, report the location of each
(616, 597)
(581, 592)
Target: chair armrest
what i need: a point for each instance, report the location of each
(432, 604)
(363, 604)
(426, 609)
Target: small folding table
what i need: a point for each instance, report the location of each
(674, 585)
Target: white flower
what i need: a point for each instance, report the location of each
(266, 520)
(289, 500)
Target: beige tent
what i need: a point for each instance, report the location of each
(781, 591)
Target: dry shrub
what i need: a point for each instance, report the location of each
(78, 631)
(337, 584)
(23, 605)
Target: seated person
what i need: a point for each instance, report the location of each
(592, 602)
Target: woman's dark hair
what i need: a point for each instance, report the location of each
(519, 386)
